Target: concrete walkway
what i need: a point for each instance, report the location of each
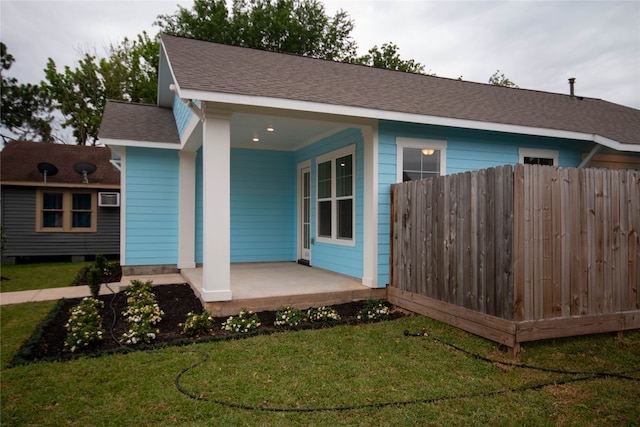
(68, 292)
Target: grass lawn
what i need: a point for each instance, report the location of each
(341, 366)
(39, 276)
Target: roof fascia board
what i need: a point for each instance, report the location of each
(165, 94)
(144, 144)
(362, 112)
(50, 184)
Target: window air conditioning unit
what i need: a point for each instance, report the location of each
(109, 200)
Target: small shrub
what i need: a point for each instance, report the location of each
(197, 324)
(95, 278)
(142, 313)
(322, 315)
(84, 325)
(101, 264)
(289, 318)
(373, 309)
(244, 322)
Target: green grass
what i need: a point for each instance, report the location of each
(39, 276)
(341, 366)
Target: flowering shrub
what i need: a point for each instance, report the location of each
(142, 313)
(289, 318)
(242, 323)
(84, 325)
(322, 315)
(373, 309)
(197, 324)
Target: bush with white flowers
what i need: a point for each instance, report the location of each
(322, 314)
(373, 309)
(142, 313)
(244, 322)
(197, 324)
(289, 318)
(84, 325)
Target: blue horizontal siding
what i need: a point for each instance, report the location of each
(182, 114)
(467, 150)
(263, 209)
(338, 258)
(151, 206)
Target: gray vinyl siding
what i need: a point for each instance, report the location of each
(22, 240)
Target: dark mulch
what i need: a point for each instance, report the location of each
(47, 342)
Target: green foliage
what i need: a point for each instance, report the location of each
(373, 309)
(388, 57)
(498, 79)
(26, 108)
(244, 322)
(129, 72)
(198, 324)
(95, 279)
(84, 325)
(289, 318)
(294, 26)
(142, 313)
(322, 314)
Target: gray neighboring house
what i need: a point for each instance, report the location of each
(65, 215)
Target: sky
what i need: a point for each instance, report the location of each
(536, 44)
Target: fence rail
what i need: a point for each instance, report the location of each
(526, 244)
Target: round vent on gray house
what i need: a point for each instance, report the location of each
(85, 169)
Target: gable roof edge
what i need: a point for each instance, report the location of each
(369, 113)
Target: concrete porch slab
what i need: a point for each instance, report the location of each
(272, 286)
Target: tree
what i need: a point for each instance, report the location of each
(498, 79)
(294, 26)
(389, 58)
(128, 73)
(26, 108)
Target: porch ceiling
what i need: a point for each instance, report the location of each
(289, 133)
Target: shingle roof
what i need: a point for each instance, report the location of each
(212, 67)
(138, 122)
(19, 163)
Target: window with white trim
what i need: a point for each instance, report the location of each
(420, 158)
(335, 176)
(537, 156)
(64, 210)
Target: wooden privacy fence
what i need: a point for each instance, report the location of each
(520, 254)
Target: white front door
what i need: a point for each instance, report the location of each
(304, 216)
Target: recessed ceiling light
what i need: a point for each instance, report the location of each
(270, 128)
(256, 139)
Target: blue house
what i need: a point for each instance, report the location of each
(256, 156)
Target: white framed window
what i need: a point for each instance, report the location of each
(335, 193)
(420, 158)
(537, 156)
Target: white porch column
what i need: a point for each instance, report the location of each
(187, 211)
(216, 194)
(370, 244)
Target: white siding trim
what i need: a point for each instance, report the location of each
(216, 194)
(123, 205)
(370, 207)
(187, 210)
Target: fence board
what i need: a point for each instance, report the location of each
(527, 244)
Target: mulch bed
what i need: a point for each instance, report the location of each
(47, 342)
